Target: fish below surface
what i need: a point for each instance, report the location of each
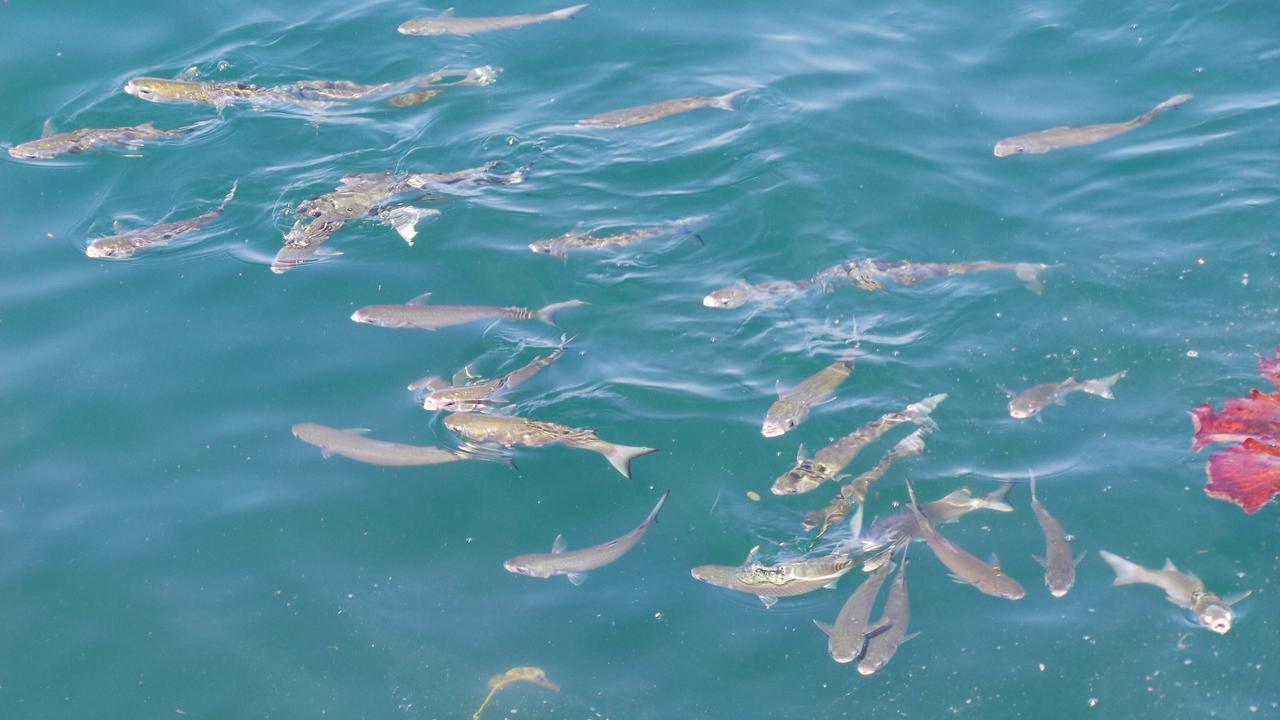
(1038, 143)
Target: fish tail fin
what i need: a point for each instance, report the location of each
(1031, 474)
(1029, 274)
(1102, 386)
(195, 126)
(1165, 106)
(856, 523)
(1127, 573)
(227, 200)
(662, 502)
(996, 499)
(620, 456)
(725, 102)
(548, 313)
(568, 13)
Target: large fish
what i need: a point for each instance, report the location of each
(1059, 567)
(892, 626)
(847, 636)
(561, 245)
(509, 431)
(1183, 589)
(895, 531)
(871, 274)
(51, 144)
(741, 293)
(784, 579)
(124, 245)
(626, 117)
(352, 444)
(575, 564)
(792, 407)
(1028, 403)
(856, 491)
(474, 396)
(447, 24)
(965, 568)
(1038, 143)
(416, 314)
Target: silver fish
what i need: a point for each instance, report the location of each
(626, 117)
(737, 295)
(561, 245)
(125, 245)
(1180, 588)
(770, 582)
(1038, 143)
(809, 473)
(508, 431)
(446, 24)
(1028, 403)
(478, 395)
(792, 407)
(896, 530)
(847, 636)
(575, 564)
(871, 274)
(51, 145)
(352, 444)
(965, 568)
(1059, 567)
(892, 626)
(415, 314)
(856, 491)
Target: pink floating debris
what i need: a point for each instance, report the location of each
(1270, 369)
(1255, 416)
(1247, 475)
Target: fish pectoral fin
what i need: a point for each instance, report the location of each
(957, 579)
(908, 637)
(327, 252)
(995, 561)
(419, 300)
(577, 578)
(830, 586)
(800, 454)
(1237, 597)
(559, 545)
(777, 387)
(324, 453)
(824, 627)
(357, 431)
(767, 601)
(1043, 563)
(1039, 419)
(751, 555)
(447, 12)
(1006, 390)
(1078, 558)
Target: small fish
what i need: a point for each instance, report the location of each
(1028, 403)
(893, 623)
(770, 582)
(871, 274)
(51, 145)
(508, 431)
(352, 444)
(561, 245)
(125, 245)
(446, 24)
(792, 407)
(416, 314)
(965, 568)
(1180, 588)
(1059, 567)
(847, 636)
(475, 396)
(856, 491)
(1038, 143)
(575, 564)
(896, 530)
(641, 114)
(808, 474)
(741, 293)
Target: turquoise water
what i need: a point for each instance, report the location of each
(171, 550)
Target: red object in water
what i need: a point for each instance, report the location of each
(1255, 416)
(1270, 369)
(1247, 475)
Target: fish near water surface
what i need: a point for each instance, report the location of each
(856, 491)
(508, 431)
(1038, 143)
(352, 444)
(892, 626)
(478, 395)
(784, 579)
(575, 564)
(51, 145)
(1030, 402)
(741, 293)
(847, 636)
(964, 567)
(792, 407)
(418, 315)
(641, 114)
(871, 274)
(896, 530)
(125, 245)
(1059, 567)
(447, 24)
(561, 245)
(1183, 589)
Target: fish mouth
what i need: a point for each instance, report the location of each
(428, 403)
(23, 154)
(770, 431)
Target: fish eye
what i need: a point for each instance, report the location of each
(790, 423)
(1019, 148)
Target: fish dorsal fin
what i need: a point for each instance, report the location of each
(357, 431)
(1043, 563)
(777, 387)
(577, 578)
(1078, 558)
(189, 74)
(419, 300)
(824, 627)
(448, 12)
(751, 555)
(1169, 566)
(800, 454)
(148, 125)
(462, 376)
(119, 228)
(48, 129)
(1236, 597)
(559, 545)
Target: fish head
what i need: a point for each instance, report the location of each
(1005, 148)
(726, 298)
(110, 248)
(1021, 408)
(522, 566)
(800, 479)
(718, 575)
(782, 418)
(548, 247)
(42, 149)
(159, 90)
(423, 26)
(1217, 616)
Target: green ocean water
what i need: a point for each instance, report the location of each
(170, 550)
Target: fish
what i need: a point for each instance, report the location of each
(810, 473)
(310, 95)
(896, 530)
(351, 443)
(1030, 402)
(965, 568)
(1038, 143)
(1183, 589)
(561, 245)
(124, 245)
(792, 407)
(478, 395)
(1059, 567)
(575, 564)
(871, 274)
(847, 636)
(892, 624)
(784, 579)
(507, 431)
(446, 24)
(741, 293)
(51, 144)
(416, 314)
(856, 491)
(627, 117)
(370, 196)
